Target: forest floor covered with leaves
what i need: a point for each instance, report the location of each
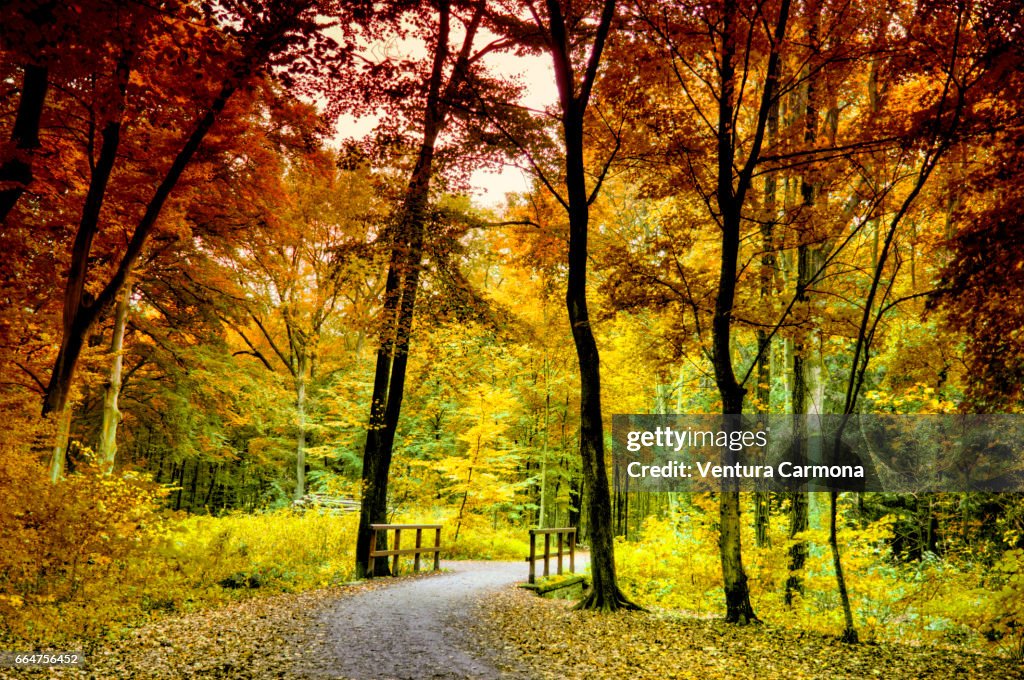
(553, 641)
(263, 637)
(317, 634)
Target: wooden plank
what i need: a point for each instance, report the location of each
(560, 554)
(547, 551)
(532, 557)
(437, 547)
(554, 531)
(403, 551)
(405, 526)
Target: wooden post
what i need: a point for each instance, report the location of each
(547, 551)
(533, 556)
(559, 553)
(373, 547)
(419, 543)
(572, 551)
(398, 546)
(437, 553)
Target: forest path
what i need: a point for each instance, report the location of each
(419, 628)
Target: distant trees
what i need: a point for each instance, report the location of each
(292, 273)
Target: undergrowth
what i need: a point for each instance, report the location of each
(675, 564)
(91, 557)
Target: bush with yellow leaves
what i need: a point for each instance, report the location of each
(64, 546)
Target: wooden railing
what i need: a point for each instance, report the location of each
(562, 532)
(398, 551)
(338, 504)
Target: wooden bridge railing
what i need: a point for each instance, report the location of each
(397, 551)
(561, 532)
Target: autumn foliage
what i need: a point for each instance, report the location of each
(244, 264)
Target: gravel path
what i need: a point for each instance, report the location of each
(419, 628)
(428, 626)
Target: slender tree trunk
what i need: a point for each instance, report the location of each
(849, 631)
(465, 496)
(799, 508)
(300, 413)
(111, 414)
(762, 499)
(194, 487)
(544, 455)
(737, 595)
(213, 483)
(159, 465)
(181, 486)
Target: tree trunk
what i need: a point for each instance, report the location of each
(400, 298)
(111, 414)
(181, 486)
(17, 169)
(574, 97)
(209, 491)
(849, 632)
(300, 413)
(799, 508)
(60, 446)
(80, 314)
(762, 499)
(193, 488)
(544, 454)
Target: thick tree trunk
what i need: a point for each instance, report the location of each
(574, 97)
(605, 594)
(730, 198)
(111, 415)
(400, 297)
(17, 170)
(58, 457)
(80, 314)
(392, 361)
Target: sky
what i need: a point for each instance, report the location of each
(488, 188)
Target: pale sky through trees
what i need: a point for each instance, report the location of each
(489, 187)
